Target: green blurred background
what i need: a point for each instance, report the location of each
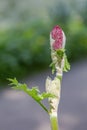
(24, 34)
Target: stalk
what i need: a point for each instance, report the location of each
(59, 64)
(54, 121)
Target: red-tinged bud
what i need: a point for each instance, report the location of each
(57, 38)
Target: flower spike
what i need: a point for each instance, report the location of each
(57, 38)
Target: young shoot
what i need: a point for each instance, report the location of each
(53, 87)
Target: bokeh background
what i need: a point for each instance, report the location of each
(25, 54)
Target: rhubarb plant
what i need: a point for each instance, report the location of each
(53, 86)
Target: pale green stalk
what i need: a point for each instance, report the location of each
(54, 122)
(54, 86)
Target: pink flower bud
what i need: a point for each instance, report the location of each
(57, 38)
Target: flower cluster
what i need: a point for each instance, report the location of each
(57, 38)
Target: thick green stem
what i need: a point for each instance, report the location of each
(54, 122)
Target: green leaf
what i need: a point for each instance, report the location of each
(66, 64)
(33, 92)
(47, 95)
(13, 81)
(60, 53)
(53, 67)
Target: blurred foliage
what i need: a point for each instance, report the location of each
(25, 47)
